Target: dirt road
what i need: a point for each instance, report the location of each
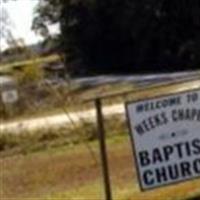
(76, 117)
(58, 120)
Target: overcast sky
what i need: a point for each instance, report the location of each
(21, 13)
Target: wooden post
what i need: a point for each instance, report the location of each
(103, 151)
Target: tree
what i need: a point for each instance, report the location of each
(6, 26)
(47, 13)
(29, 74)
(116, 36)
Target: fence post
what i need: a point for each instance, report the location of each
(103, 150)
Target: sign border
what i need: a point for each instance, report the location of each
(127, 120)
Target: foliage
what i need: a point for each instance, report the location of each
(29, 74)
(39, 140)
(46, 13)
(122, 36)
(5, 25)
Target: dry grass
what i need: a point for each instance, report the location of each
(48, 100)
(130, 191)
(41, 174)
(72, 173)
(39, 60)
(27, 142)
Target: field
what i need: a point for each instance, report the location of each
(64, 164)
(71, 172)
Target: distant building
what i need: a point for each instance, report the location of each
(54, 70)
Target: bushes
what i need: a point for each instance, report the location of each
(29, 74)
(7, 142)
(31, 141)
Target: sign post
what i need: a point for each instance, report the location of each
(165, 133)
(104, 161)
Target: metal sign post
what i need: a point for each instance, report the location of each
(104, 161)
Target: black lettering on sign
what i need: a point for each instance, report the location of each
(188, 114)
(158, 104)
(196, 146)
(151, 123)
(168, 151)
(197, 166)
(161, 174)
(144, 158)
(179, 150)
(157, 156)
(148, 178)
(185, 169)
(172, 172)
(165, 136)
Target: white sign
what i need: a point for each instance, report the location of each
(9, 96)
(165, 134)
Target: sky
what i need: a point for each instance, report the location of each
(21, 14)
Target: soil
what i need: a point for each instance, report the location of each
(25, 176)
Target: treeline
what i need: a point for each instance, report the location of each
(124, 36)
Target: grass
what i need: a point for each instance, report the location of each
(23, 177)
(93, 191)
(57, 164)
(41, 101)
(45, 138)
(39, 60)
(130, 191)
(59, 100)
(70, 172)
